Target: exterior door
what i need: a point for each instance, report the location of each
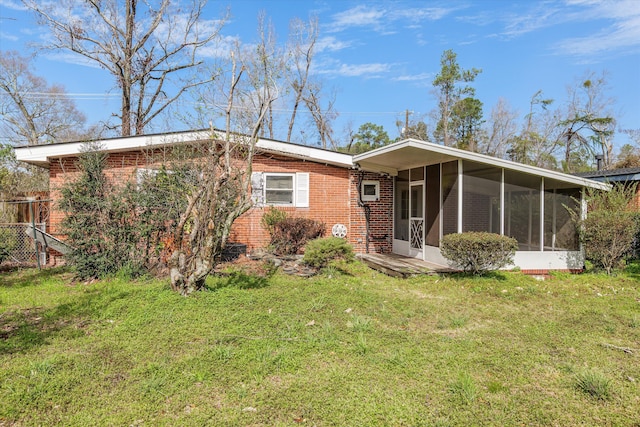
(416, 219)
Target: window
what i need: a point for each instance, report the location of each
(370, 191)
(143, 175)
(481, 197)
(278, 189)
(281, 189)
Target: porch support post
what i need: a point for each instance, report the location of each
(440, 219)
(542, 214)
(460, 185)
(502, 213)
(583, 215)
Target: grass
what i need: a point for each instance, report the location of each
(593, 383)
(354, 348)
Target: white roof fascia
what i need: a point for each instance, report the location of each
(40, 154)
(482, 158)
(306, 152)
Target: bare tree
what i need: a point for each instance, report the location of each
(322, 115)
(143, 45)
(32, 112)
(303, 40)
(588, 123)
(501, 129)
(269, 62)
(537, 142)
(221, 192)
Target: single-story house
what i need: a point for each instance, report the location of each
(623, 176)
(401, 198)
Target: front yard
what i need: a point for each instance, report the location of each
(351, 347)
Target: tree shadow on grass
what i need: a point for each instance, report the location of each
(24, 329)
(239, 280)
(633, 270)
(24, 277)
(489, 275)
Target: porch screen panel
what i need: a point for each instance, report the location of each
(401, 207)
(522, 209)
(432, 206)
(481, 197)
(560, 233)
(449, 198)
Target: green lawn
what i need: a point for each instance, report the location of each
(354, 348)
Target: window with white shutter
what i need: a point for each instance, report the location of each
(257, 188)
(284, 189)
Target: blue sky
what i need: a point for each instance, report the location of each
(381, 56)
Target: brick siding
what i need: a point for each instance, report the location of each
(380, 218)
(332, 190)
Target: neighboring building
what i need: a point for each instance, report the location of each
(624, 176)
(400, 198)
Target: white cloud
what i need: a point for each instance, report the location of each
(359, 16)
(220, 47)
(71, 58)
(611, 26)
(364, 70)
(6, 36)
(339, 69)
(522, 23)
(386, 21)
(414, 77)
(422, 14)
(331, 44)
(13, 5)
(622, 34)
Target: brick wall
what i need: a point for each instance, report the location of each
(328, 198)
(380, 218)
(329, 191)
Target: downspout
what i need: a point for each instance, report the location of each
(365, 207)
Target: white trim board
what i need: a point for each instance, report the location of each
(40, 155)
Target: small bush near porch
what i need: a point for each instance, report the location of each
(355, 349)
(478, 252)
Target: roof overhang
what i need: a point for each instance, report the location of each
(412, 153)
(629, 177)
(41, 155)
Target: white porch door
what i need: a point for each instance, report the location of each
(416, 219)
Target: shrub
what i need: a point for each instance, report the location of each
(319, 252)
(291, 234)
(271, 218)
(478, 252)
(7, 244)
(610, 228)
(99, 223)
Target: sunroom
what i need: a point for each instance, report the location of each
(442, 190)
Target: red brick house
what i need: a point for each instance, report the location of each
(401, 198)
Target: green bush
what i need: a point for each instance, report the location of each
(7, 244)
(478, 252)
(319, 252)
(272, 217)
(610, 228)
(291, 234)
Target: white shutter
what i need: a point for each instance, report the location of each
(302, 189)
(257, 188)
